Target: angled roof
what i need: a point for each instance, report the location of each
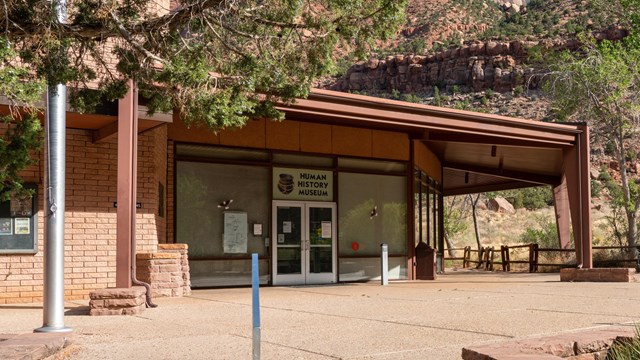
(478, 151)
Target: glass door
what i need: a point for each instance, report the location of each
(304, 250)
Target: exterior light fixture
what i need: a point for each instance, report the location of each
(225, 204)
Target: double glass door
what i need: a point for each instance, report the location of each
(304, 243)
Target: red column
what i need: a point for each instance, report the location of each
(585, 195)
(127, 141)
(563, 213)
(576, 167)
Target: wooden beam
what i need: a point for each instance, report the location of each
(487, 188)
(455, 137)
(105, 132)
(505, 174)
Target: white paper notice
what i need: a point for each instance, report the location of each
(22, 226)
(286, 227)
(326, 229)
(235, 232)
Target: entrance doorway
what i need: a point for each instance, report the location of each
(304, 243)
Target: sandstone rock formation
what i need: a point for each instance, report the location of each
(496, 65)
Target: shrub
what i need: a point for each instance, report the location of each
(437, 99)
(413, 98)
(629, 349)
(519, 90)
(545, 234)
(528, 198)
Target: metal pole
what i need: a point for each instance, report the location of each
(255, 287)
(384, 262)
(54, 206)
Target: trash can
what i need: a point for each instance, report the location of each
(425, 262)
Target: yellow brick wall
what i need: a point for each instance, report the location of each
(90, 218)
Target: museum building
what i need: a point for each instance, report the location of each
(315, 195)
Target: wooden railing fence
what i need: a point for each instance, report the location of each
(486, 257)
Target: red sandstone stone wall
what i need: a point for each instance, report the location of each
(90, 218)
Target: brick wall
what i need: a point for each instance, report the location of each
(90, 218)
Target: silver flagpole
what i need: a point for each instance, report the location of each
(54, 206)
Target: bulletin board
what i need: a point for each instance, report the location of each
(19, 224)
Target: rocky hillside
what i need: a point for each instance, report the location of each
(488, 56)
(481, 55)
(474, 45)
(476, 66)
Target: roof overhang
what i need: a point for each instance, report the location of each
(478, 152)
(104, 122)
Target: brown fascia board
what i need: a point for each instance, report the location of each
(371, 109)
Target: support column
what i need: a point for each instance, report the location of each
(585, 194)
(127, 141)
(563, 213)
(577, 166)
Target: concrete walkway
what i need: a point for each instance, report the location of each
(405, 320)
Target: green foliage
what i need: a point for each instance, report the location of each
(529, 198)
(543, 18)
(519, 90)
(626, 349)
(455, 218)
(437, 98)
(489, 93)
(601, 83)
(413, 98)
(415, 46)
(215, 63)
(596, 188)
(462, 105)
(545, 234)
(23, 135)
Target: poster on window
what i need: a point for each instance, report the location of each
(5, 226)
(23, 226)
(235, 232)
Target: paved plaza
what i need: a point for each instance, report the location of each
(405, 320)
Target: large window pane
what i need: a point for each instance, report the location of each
(366, 164)
(372, 210)
(214, 152)
(202, 187)
(214, 273)
(302, 160)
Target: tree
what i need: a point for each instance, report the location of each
(601, 84)
(455, 220)
(218, 63)
(474, 213)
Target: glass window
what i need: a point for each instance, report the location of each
(427, 216)
(363, 269)
(372, 210)
(216, 152)
(366, 164)
(302, 160)
(201, 192)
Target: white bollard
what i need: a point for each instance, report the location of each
(384, 262)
